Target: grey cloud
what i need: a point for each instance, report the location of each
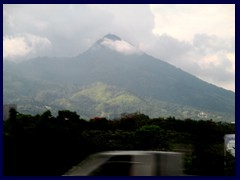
(66, 28)
(73, 28)
(219, 72)
(169, 48)
(204, 57)
(207, 44)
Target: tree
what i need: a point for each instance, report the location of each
(12, 114)
(151, 137)
(132, 121)
(66, 115)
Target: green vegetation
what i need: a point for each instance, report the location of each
(97, 99)
(50, 145)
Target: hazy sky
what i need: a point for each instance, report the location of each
(199, 39)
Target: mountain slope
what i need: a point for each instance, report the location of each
(116, 62)
(100, 99)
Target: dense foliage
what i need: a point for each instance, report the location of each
(48, 145)
(96, 99)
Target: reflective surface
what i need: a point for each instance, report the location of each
(130, 163)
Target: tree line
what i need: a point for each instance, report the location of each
(47, 145)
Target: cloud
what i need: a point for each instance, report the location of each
(24, 45)
(72, 29)
(120, 46)
(168, 48)
(15, 47)
(182, 21)
(210, 58)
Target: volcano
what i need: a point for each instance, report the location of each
(113, 77)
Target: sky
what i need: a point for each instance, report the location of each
(198, 38)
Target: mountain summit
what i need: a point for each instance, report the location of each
(112, 37)
(125, 74)
(116, 44)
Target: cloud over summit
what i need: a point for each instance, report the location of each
(120, 46)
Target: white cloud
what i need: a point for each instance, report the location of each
(24, 45)
(120, 46)
(15, 46)
(183, 21)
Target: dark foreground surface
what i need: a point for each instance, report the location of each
(44, 145)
